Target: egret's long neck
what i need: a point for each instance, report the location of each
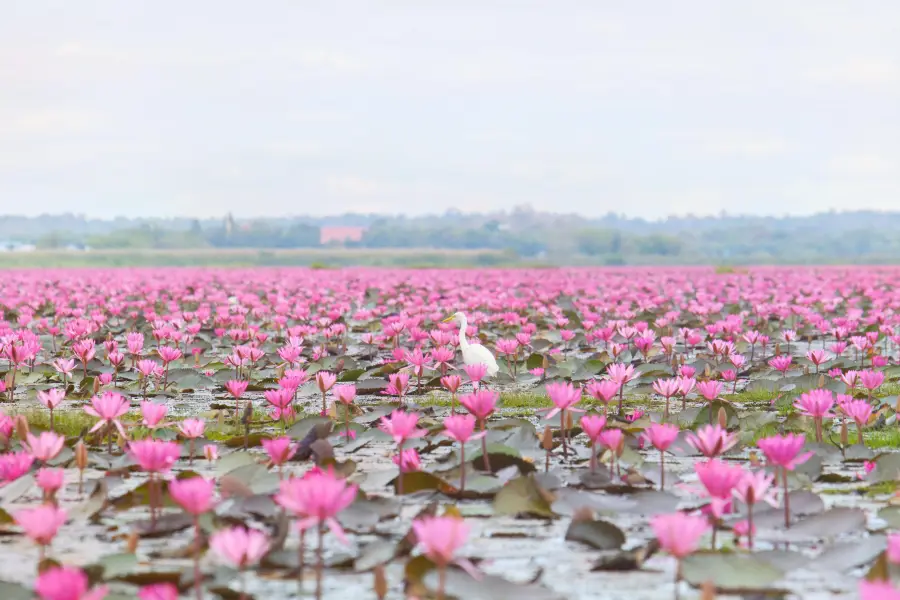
(463, 325)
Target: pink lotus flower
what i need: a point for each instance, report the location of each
(476, 372)
(64, 366)
(158, 591)
(153, 413)
(192, 428)
(604, 390)
(154, 456)
(108, 407)
(239, 546)
(194, 495)
(613, 439)
(41, 524)
(345, 393)
(711, 440)
(878, 590)
(871, 380)
(666, 387)
(45, 447)
(564, 396)
(784, 451)
(860, 411)
(50, 480)
(620, 373)
(236, 387)
(168, 354)
(325, 380)
(398, 384)
(593, 425)
(67, 583)
(14, 464)
(893, 548)
(440, 539)
(51, 398)
(461, 428)
(710, 389)
(451, 383)
(401, 426)
(280, 449)
(211, 452)
(781, 363)
(718, 480)
(481, 404)
(818, 357)
(816, 403)
(687, 371)
(407, 460)
(317, 498)
(661, 435)
(756, 487)
(679, 533)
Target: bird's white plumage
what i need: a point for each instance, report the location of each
(474, 354)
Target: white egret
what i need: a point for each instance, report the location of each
(473, 354)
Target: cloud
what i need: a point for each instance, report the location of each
(863, 165)
(858, 72)
(352, 185)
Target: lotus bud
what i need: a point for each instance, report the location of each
(777, 349)
(96, 385)
(133, 539)
(211, 452)
(547, 439)
(723, 418)
(845, 436)
(81, 455)
(821, 380)
(22, 429)
(121, 442)
(569, 422)
(381, 586)
(707, 591)
(583, 513)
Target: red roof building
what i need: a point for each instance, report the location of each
(340, 235)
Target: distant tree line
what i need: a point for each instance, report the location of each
(520, 235)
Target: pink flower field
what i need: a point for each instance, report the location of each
(469, 434)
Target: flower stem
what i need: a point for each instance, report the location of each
(320, 564)
(462, 460)
(562, 431)
(484, 452)
(662, 470)
(750, 526)
(198, 582)
(400, 467)
(442, 581)
(787, 499)
(301, 560)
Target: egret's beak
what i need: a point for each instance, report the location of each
(448, 319)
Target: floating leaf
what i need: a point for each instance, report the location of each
(523, 496)
(829, 524)
(626, 560)
(601, 535)
(729, 571)
(460, 584)
(419, 481)
(849, 555)
(249, 480)
(14, 591)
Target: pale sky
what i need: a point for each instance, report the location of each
(301, 107)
